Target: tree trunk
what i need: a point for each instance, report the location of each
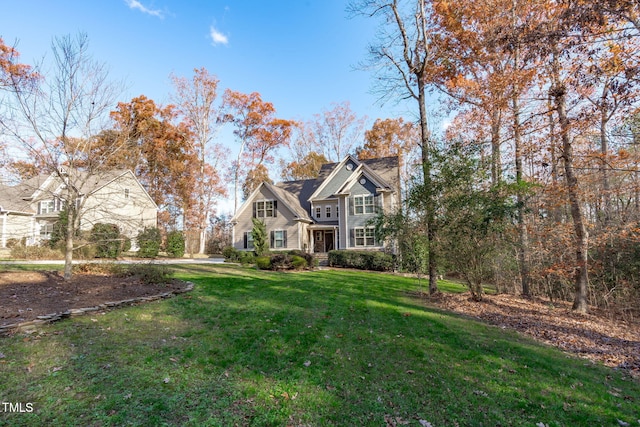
(496, 164)
(604, 152)
(523, 238)
(430, 203)
(581, 239)
(68, 250)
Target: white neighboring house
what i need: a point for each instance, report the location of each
(29, 209)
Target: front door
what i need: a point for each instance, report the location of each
(322, 241)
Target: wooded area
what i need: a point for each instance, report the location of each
(534, 187)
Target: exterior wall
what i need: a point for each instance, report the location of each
(122, 202)
(323, 204)
(15, 226)
(360, 220)
(284, 220)
(337, 181)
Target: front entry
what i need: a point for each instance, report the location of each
(323, 241)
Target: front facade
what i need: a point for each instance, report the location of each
(29, 210)
(330, 212)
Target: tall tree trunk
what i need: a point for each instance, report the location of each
(68, 249)
(523, 238)
(604, 152)
(425, 144)
(496, 164)
(558, 91)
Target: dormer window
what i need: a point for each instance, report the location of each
(126, 193)
(363, 204)
(47, 206)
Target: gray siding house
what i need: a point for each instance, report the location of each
(325, 213)
(29, 210)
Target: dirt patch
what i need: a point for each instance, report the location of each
(26, 295)
(594, 336)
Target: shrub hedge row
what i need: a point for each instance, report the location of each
(290, 260)
(363, 260)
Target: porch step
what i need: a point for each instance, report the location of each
(322, 257)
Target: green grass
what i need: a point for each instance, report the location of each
(324, 348)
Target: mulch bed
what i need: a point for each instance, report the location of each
(25, 295)
(594, 336)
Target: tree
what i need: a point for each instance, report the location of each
(260, 237)
(159, 151)
(55, 118)
(196, 100)
(403, 54)
(308, 167)
(254, 178)
(337, 130)
(258, 131)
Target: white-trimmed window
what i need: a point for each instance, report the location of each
(248, 240)
(47, 206)
(264, 209)
(278, 239)
(126, 193)
(364, 236)
(46, 230)
(327, 211)
(363, 204)
(318, 212)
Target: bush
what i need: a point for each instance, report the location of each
(21, 251)
(231, 254)
(149, 241)
(263, 262)
(363, 260)
(150, 273)
(298, 262)
(106, 238)
(175, 244)
(246, 257)
(309, 258)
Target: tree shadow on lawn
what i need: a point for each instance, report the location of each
(322, 348)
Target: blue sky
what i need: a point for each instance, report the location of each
(300, 55)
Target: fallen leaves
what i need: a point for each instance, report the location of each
(594, 336)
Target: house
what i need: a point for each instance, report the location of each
(29, 209)
(329, 212)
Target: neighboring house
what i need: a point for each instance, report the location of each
(325, 213)
(29, 209)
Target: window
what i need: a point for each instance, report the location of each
(248, 240)
(365, 236)
(45, 231)
(318, 212)
(265, 209)
(47, 206)
(363, 205)
(278, 239)
(328, 211)
(126, 193)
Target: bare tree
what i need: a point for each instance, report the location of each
(55, 120)
(402, 55)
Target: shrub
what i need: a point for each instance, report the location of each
(309, 258)
(175, 244)
(247, 257)
(363, 260)
(149, 241)
(150, 273)
(231, 254)
(106, 238)
(298, 262)
(35, 252)
(263, 262)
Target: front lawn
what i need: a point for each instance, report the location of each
(323, 348)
